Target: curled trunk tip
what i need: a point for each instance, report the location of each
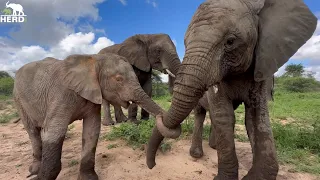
(166, 132)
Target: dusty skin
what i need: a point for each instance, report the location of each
(122, 162)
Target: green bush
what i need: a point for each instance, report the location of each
(6, 86)
(300, 84)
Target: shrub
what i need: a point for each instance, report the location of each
(300, 84)
(6, 86)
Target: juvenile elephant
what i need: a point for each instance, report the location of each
(232, 48)
(50, 94)
(144, 52)
(200, 112)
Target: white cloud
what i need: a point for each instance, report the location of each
(164, 77)
(123, 2)
(78, 43)
(153, 3)
(311, 49)
(51, 20)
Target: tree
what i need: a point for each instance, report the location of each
(4, 74)
(294, 70)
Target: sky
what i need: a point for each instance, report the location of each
(59, 28)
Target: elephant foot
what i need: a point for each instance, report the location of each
(121, 119)
(196, 152)
(213, 145)
(222, 177)
(92, 175)
(144, 118)
(34, 168)
(261, 173)
(135, 121)
(107, 122)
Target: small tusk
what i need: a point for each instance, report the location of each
(170, 73)
(130, 102)
(215, 88)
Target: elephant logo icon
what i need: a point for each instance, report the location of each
(13, 13)
(15, 8)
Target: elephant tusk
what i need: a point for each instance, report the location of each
(170, 73)
(130, 102)
(215, 88)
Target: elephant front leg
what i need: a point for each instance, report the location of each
(107, 120)
(90, 136)
(265, 165)
(118, 113)
(223, 118)
(196, 149)
(52, 140)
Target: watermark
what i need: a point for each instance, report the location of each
(13, 13)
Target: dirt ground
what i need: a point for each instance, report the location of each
(121, 162)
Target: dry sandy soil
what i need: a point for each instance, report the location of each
(122, 162)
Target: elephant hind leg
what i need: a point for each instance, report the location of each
(196, 149)
(118, 113)
(35, 138)
(107, 120)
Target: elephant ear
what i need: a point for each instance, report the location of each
(79, 73)
(135, 49)
(284, 26)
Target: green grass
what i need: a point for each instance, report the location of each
(6, 118)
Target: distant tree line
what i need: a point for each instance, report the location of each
(297, 79)
(6, 84)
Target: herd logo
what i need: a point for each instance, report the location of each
(13, 13)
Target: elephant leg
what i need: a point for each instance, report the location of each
(120, 117)
(35, 138)
(90, 136)
(265, 165)
(212, 136)
(249, 127)
(196, 149)
(132, 113)
(147, 87)
(107, 120)
(52, 135)
(223, 118)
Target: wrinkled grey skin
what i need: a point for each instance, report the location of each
(144, 52)
(235, 46)
(50, 94)
(200, 111)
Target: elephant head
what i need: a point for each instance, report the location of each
(226, 38)
(152, 51)
(106, 76)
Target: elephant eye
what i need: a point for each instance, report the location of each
(230, 42)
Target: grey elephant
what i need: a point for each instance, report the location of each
(50, 94)
(144, 52)
(200, 112)
(232, 48)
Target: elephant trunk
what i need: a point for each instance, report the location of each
(145, 102)
(188, 89)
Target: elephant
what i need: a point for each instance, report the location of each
(232, 47)
(144, 52)
(200, 111)
(50, 94)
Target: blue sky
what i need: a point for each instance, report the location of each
(87, 25)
